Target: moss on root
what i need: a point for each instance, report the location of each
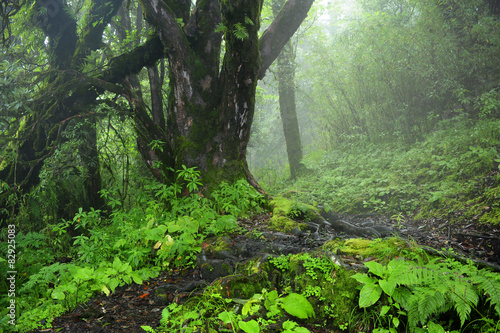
(287, 213)
(381, 249)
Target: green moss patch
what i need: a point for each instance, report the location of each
(287, 212)
(382, 249)
(283, 223)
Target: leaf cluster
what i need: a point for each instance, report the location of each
(253, 315)
(163, 229)
(423, 292)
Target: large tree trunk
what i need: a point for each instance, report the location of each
(210, 105)
(210, 110)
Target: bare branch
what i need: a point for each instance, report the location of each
(281, 30)
(162, 18)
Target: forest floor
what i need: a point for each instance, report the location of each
(133, 306)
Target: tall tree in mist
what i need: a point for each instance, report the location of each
(286, 85)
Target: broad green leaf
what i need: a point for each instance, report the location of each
(249, 326)
(271, 300)
(71, 288)
(395, 321)
(137, 279)
(369, 295)
(113, 284)
(363, 278)
(174, 228)
(225, 317)
(117, 263)
(289, 325)
(58, 294)
(376, 268)
(388, 286)
(298, 306)
(384, 310)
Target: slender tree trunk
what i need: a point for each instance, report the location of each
(90, 158)
(288, 110)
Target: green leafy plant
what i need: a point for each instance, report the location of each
(422, 292)
(400, 220)
(268, 306)
(237, 199)
(191, 177)
(240, 31)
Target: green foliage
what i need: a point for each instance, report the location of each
(162, 230)
(298, 306)
(326, 286)
(240, 31)
(450, 174)
(211, 310)
(236, 199)
(422, 292)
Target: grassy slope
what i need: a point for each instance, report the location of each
(453, 173)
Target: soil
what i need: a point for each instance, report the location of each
(133, 306)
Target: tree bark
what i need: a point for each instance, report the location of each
(210, 112)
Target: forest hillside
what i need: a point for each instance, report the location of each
(250, 166)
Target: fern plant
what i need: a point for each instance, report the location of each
(428, 290)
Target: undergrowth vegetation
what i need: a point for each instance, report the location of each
(411, 293)
(402, 289)
(66, 263)
(453, 173)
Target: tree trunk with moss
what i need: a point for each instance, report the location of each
(210, 105)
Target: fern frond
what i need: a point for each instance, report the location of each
(490, 284)
(248, 21)
(470, 294)
(412, 276)
(49, 274)
(461, 303)
(240, 31)
(430, 302)
(413, 314)
(31, 239)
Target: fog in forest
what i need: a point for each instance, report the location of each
(250, 166)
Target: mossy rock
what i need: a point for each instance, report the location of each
(216, 246)
(328, 287)
(214, 269)
(285, 224)
(287, 212)
(242, 286)
(382, 249)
